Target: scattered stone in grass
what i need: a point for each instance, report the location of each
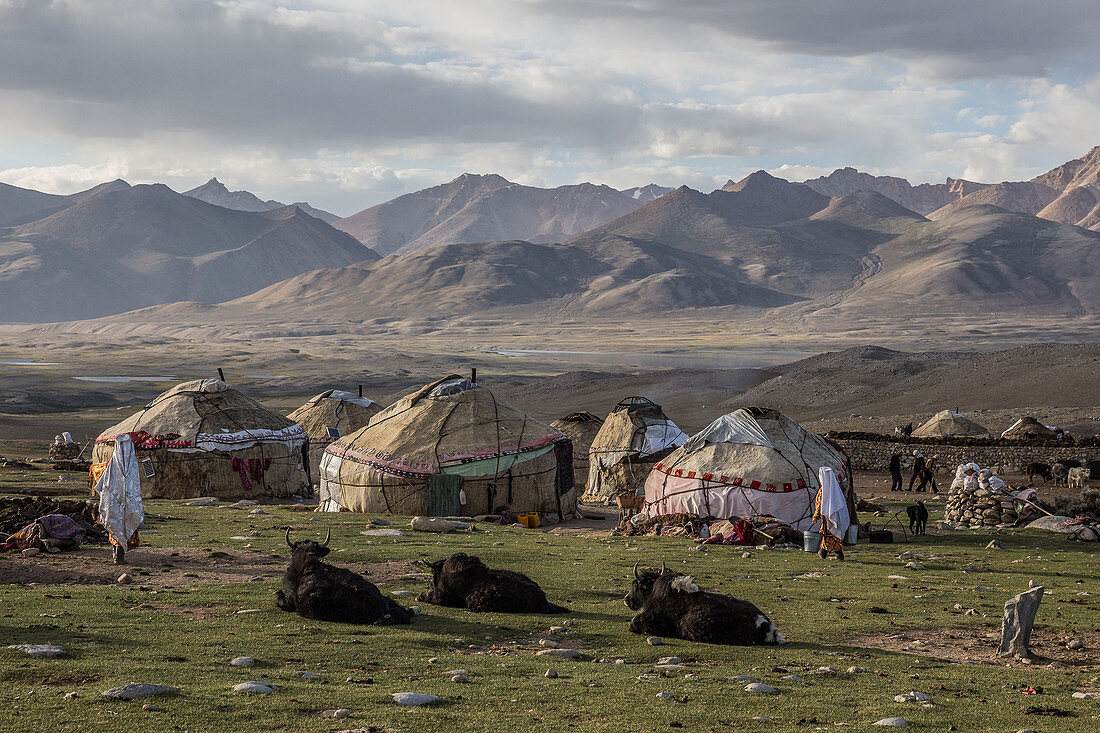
(825, 671)
(249, 610)
(1087, 695)
(433, 660)
(792, 678)
(561, 653)
(379, 521)
(665, 695)
(39, 650)
(1019, 617)
(669, 660)
(551, 674)
(994, 545)
(242, 661)
(877, 609)
(460, 678)
(892, 722)
(255, 687)
(456, 672)
(654, 640)
(742, 678)
(911, 697)
(382, 533)
(202, 501)
(858, 670)
(338, 713)
(760, 687)
(908, 555)
(1076, 644)
(746, 555)
(139, 689)
(151, 708)
(125, 578)
(556, 629)
(498, 544)
(412, 699)
(549, 643)
(71, 695)
(309, 675)
(257, 510)
(31, 551)
(914, 565)
(432, 524)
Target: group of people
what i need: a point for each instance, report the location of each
(924, 470)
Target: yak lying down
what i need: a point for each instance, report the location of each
(672, 605)
(325, 592)
(463, 581)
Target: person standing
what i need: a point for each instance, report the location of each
(895, 472)
(831, 509)
(918, 466)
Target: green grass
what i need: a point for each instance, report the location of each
(120, 634)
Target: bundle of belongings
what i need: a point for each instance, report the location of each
(64, 447)
(979, 498)
(52, 533)
(749, 531)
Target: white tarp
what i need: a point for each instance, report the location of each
(342, 396)
(119, 488)
(735, 427)
(329, 492)
(834, 507)
(666, 494)
(660, 435)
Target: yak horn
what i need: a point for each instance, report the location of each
(663, 568)
(288, 542)
(327, 537)
(636, 576)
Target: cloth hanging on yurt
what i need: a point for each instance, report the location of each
(500, 458)
(634, 436)
(121, 511)
(205, 438)
(834, 505)
(750, 462)
(948, 423)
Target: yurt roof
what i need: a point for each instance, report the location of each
(203, 411)
(1026, 425)
(345, 411)
(580, 427)
(758, 448)
(637, 425)
(948, 422)
(444, 425)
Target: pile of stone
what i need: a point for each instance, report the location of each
(980, 508)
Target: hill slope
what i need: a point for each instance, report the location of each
(122, 249)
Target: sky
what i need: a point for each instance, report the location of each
(348, 103)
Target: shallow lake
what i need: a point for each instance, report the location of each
(711, 359)
(23, 362)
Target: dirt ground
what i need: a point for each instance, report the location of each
(973, 646)
(167, 568)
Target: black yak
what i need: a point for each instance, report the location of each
(317, 590)
(463, 581)
(672, 605)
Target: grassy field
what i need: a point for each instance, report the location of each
(183, 632)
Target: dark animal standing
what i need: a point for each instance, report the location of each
(325, 592)
(672, 605)
(918, 517)
(463, 581)
(1037, 469)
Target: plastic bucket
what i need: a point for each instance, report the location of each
(811, 541)
(852, 535)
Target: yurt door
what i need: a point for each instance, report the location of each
(443, 491)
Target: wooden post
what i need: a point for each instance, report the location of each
(360, 391)
(473, 374)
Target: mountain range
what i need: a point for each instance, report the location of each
(215, 192)
(850, 244)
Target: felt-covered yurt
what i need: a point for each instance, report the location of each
(633, 437)
(450, 448)
(581, 428)
(947, 423)
(328, 416)
(1028, 428)
(205, 438)
(751, 462)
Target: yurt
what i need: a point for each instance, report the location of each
(328, 416)
(450, 448)
(581, 429)
(948, 423)
(204, 438)
(1028, 428)
(750, 462)
(633, 437)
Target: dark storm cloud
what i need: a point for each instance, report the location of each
(97, 70)
(958, 38)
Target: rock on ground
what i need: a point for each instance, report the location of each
(892, 721)
(242, 661)
(1055, 523)
(654, 640)
(432, 524)
(759, 687)
(1018, 620)
(39, 650)
(414, 698)
(139, 689)
(561, 653)
(254, 687)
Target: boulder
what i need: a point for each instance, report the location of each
(1019, 618)
(139, 689)
(432, 524)
(411, 699)
(1056, 523)
(39, 650)
(254, 687)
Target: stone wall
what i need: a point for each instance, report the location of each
(874, 455)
